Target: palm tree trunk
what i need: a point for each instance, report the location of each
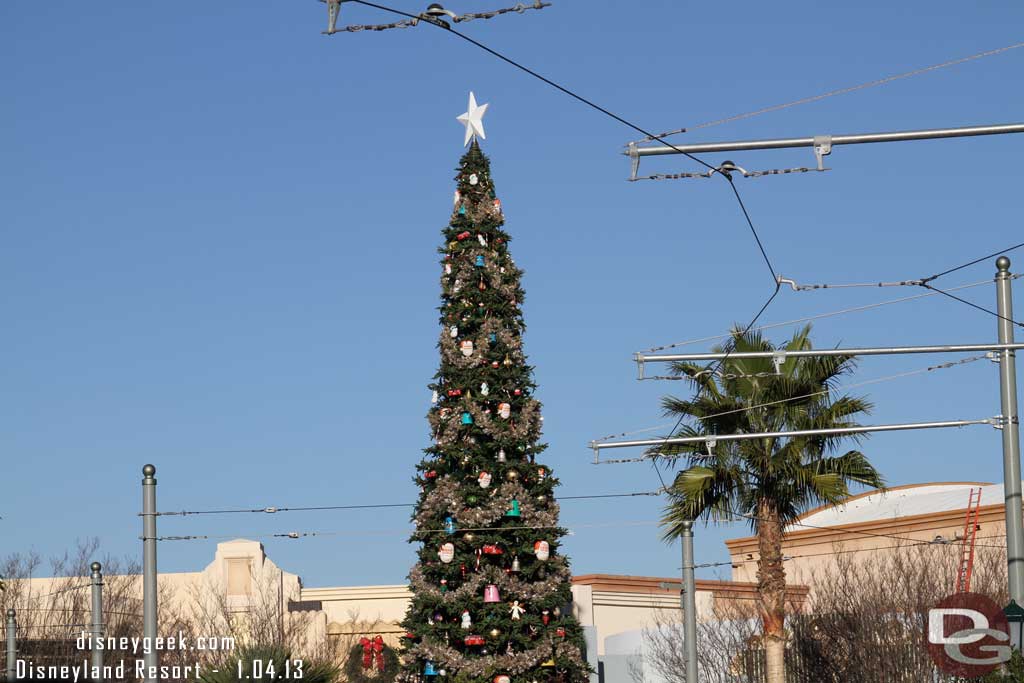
(771, 589)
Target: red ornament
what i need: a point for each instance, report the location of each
(462, 568)
(432, 474)
(545, 616)
(495, 365)
(455, 392)
(560, 632)
(475, 640)
(493, 550)
(462, 235)
(518, 392)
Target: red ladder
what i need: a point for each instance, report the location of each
(963, 574)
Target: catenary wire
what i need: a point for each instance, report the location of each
(585, 101)
(845, 387)
(399, 532)
(840, 91)
(972, 304)
(370, 506)
(818, 316)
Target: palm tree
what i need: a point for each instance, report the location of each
(768, 481)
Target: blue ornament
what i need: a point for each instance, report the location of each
(479, 261)
(449, 526)
(428, 669)
(462, 209)
(493, 337)
(467, 419)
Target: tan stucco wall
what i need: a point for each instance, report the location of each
(814, 551)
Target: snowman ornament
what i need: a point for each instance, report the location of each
(467, 621)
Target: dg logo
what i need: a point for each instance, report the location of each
(968, 635)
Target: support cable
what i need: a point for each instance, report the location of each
(583, 100)
(832, 93)
(373, 506)
(845, 387)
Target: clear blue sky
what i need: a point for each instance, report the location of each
(219, 233)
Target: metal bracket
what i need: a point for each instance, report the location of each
(822, 148)
(333, 10)
(777, 360)
(639, 358)
(710, 445)
(634, 160)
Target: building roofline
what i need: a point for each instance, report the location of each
(903, 487)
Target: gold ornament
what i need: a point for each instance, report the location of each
(512, 475)
(469, 536)
(495, 633)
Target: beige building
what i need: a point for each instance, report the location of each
(878, 521)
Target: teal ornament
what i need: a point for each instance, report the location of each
(428, 669)
(493, 337)
(467, 419)
(449, 525)
(479, 261)
(514, 510)
(462, 209)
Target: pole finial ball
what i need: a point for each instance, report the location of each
(95, 566)
(1003, 264)
(11, 612)
(148, 470)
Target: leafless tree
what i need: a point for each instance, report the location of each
(863, 622)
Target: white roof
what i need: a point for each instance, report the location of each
(918, 499)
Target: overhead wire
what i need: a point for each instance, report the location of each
(583, 100)
(368, 506)
(625, 122)
(818, 316)
(845, 387)
(399, 532)
(839, 91)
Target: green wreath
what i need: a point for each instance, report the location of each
(355, 673)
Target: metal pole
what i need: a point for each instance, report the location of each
(710, 438)
(149, 618)
(688, 600)
(1011, 435)
(97, 620)
(855, 139)
(12, 645)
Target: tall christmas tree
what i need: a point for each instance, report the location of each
(491, 591)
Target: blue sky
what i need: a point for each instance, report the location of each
(219, 249)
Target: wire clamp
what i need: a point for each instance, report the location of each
(822, 148)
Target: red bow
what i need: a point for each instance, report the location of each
(373, 649)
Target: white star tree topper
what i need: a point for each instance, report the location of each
(473, 120)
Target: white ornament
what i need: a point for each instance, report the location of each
(457, 285)
(467, 621)
(473, 180)
(473, 120)
(466, 346)
(447, 269)
(433, 397)
(501, 456)
(453, 331)
(516, 610)
(484, 479)
(505, 410)
(483, 240)
(458, 196)
(484, 389)
(447, 552)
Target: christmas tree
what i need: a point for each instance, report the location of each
(491, 591)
